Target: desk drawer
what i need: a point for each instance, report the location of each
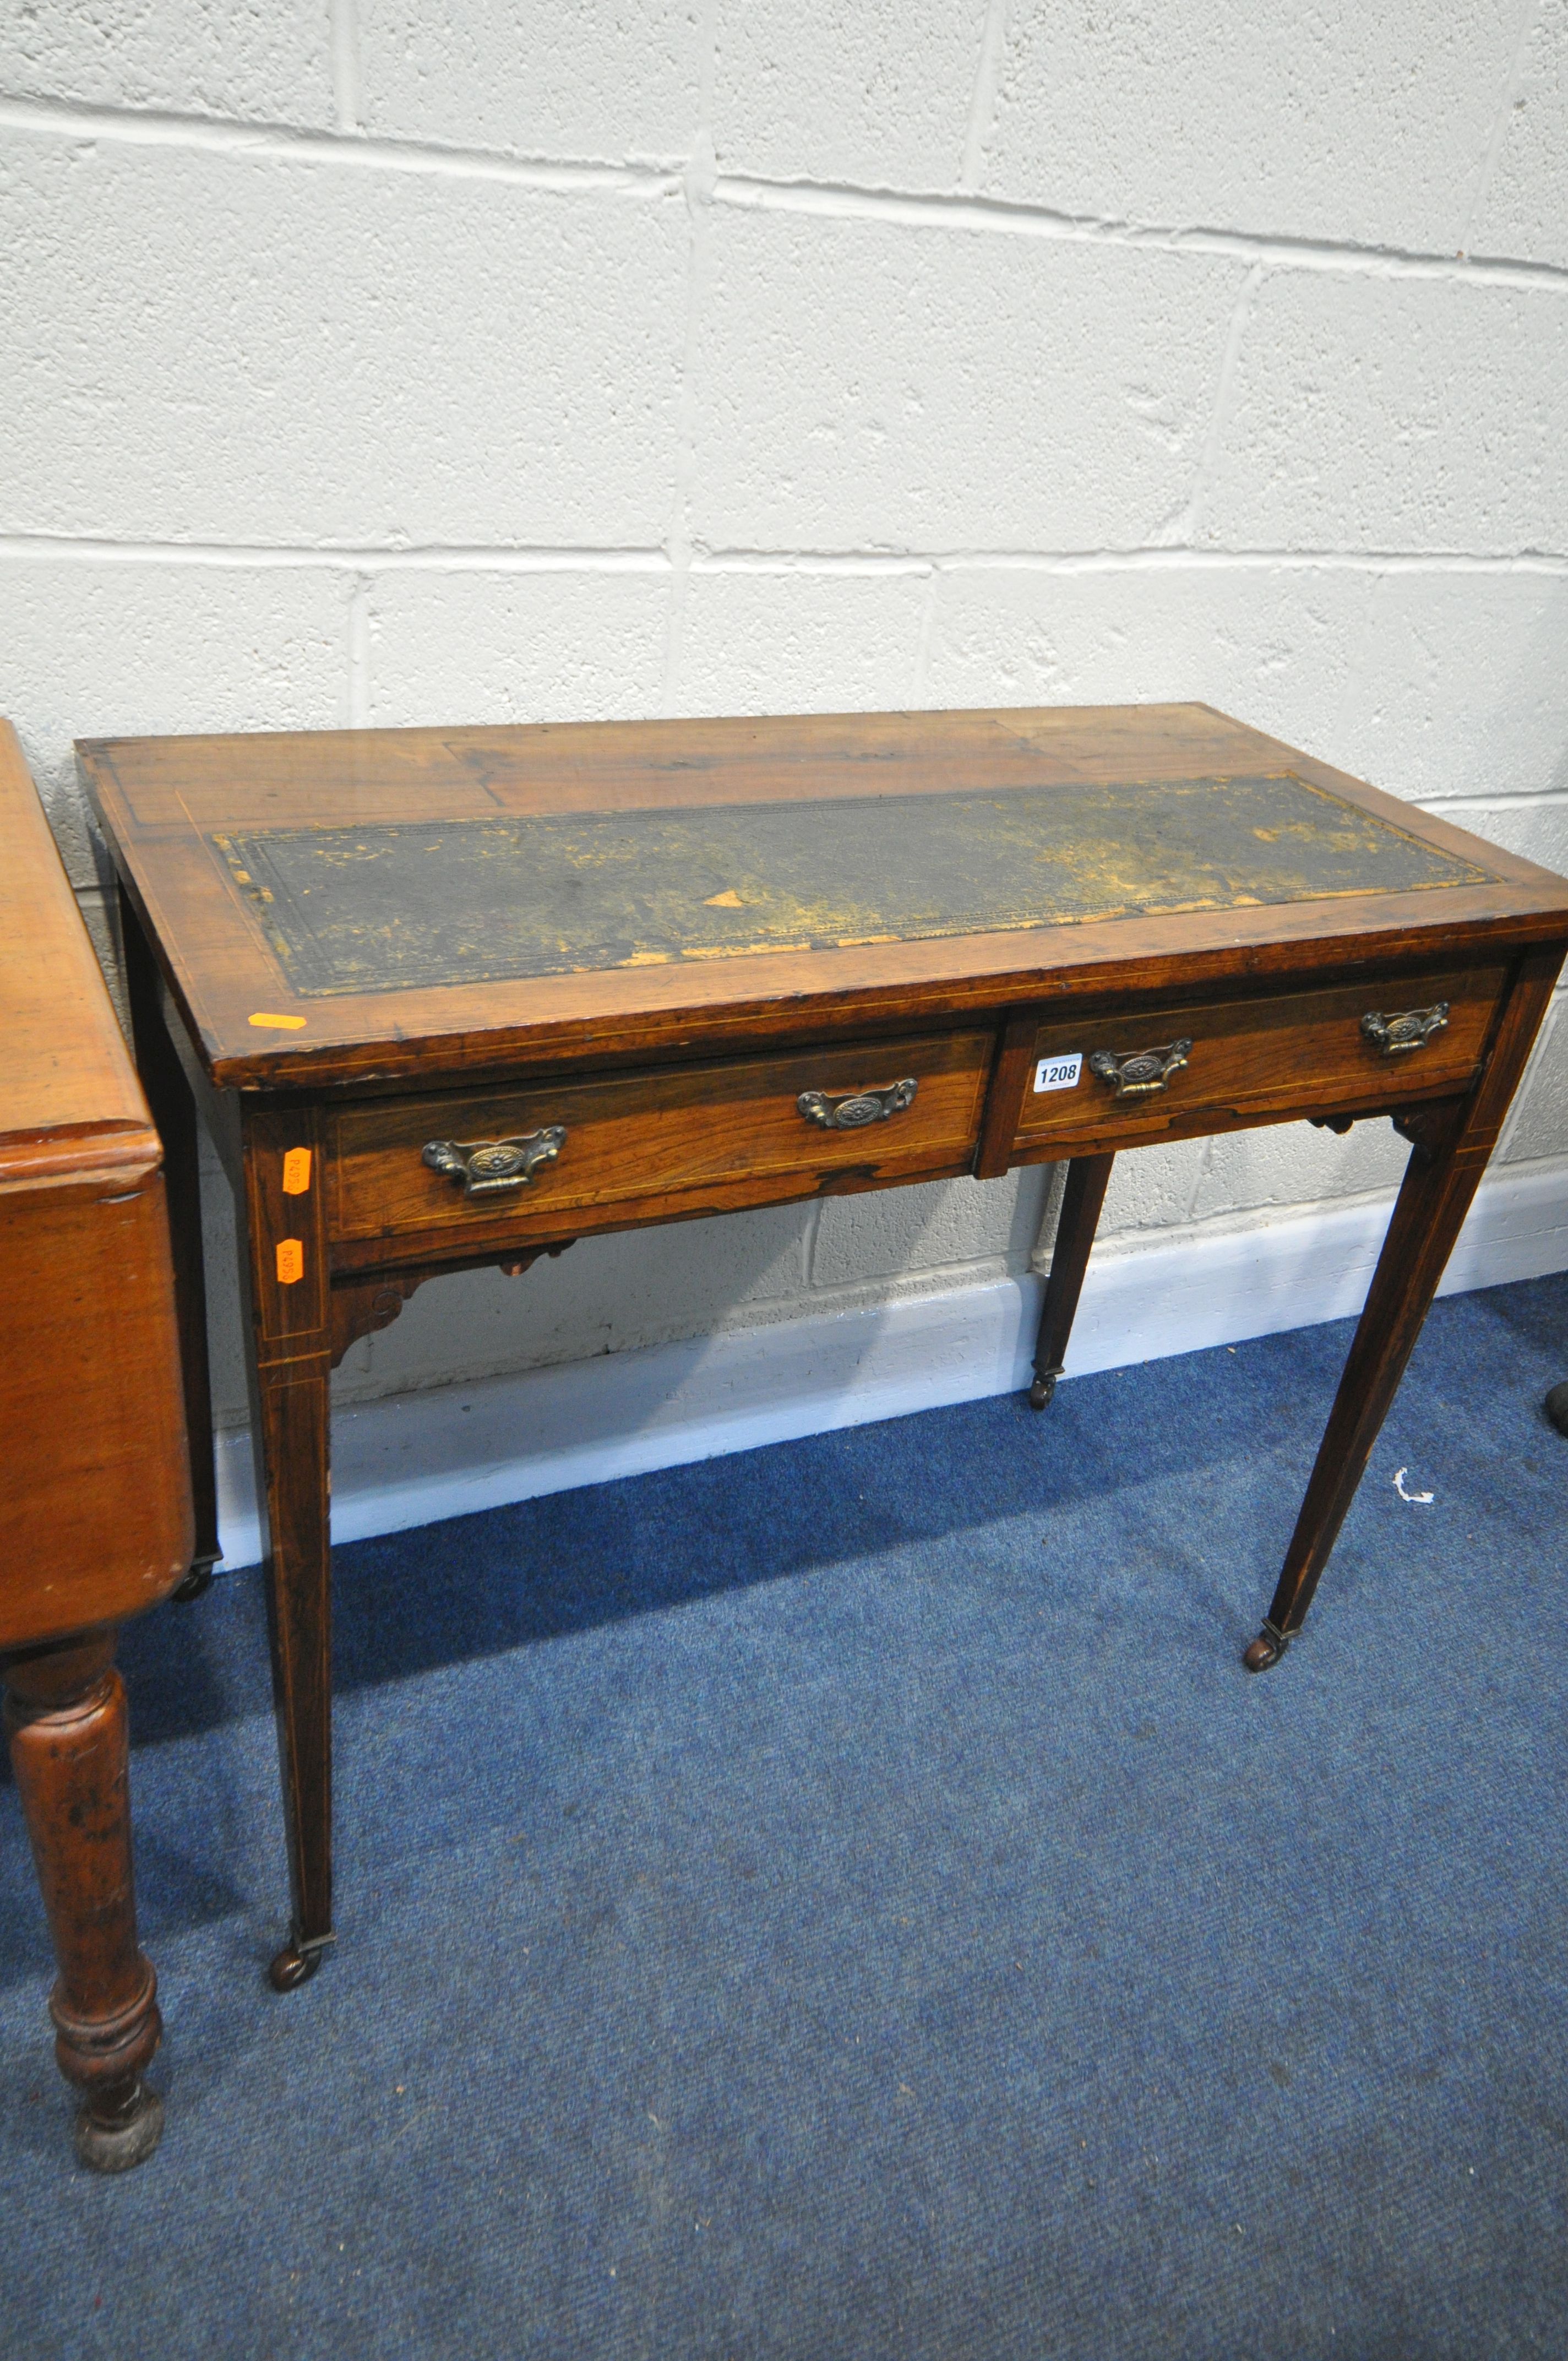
(1250, 1060)
(734, 1133)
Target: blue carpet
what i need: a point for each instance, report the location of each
(848, 1900)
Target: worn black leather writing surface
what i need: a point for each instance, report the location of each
(469, 901)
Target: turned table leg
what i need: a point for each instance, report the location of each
(65, 1717)
(1452, 1140)
(1088, 1177)
(174, 1112)
(289, 1367)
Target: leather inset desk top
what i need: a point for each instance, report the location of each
(381, 909)
(399, 903)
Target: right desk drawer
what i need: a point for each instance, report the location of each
(1170, 1071)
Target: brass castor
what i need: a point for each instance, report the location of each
(113, 2139)
(199, 1579)
(292, 1967)
(1043, 1388)
(1266, 1650)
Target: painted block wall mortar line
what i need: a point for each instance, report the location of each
(1171, 559)
(344, 43)
(1529, 17)
(359, 666)
(1182, 529)
(922, 643)
(1011, 217)
(356, 151)
(1498, 800)
(1003, 217)
(708, 560)
(697, 191)
(1201, 1174)
(342, 557)
(808, 1245)
(982, 101)
(594, 557)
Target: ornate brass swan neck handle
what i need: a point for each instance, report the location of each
(487, 1167)
(859, 1107)
(1411, 1030)
(1142, 1072)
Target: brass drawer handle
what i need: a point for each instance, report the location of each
(859, 1107)
(1145, 1071)
(487, 1167)
(1412, 1030)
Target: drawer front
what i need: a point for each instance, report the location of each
(1240, 1061)
(668, 1133)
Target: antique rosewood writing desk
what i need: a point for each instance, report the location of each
(460, 996)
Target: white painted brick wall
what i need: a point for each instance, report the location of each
(268, 60)
(1524, 207)
(368, 361)
(612, 84)
(1367, 125)
(572, 644)
(94, 641)
(798, 641)
(1394, 413)
(893, 385)
(876, 94)
(231, 348)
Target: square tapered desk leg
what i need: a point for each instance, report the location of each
(1452, 1141)
(1088, 1177)
(290, 1368)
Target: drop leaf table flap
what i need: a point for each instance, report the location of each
(95, 1515)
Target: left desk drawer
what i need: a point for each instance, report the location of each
(533, 1158)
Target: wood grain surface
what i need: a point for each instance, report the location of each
(70, 1100)
(94, 1506)
(665, 1132)
(1256, 1056)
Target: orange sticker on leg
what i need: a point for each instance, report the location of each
(290, 1261)
(296, 1172)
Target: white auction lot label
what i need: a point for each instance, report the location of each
(1059, 1073)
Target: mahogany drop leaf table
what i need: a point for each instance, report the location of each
(95, 1524)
